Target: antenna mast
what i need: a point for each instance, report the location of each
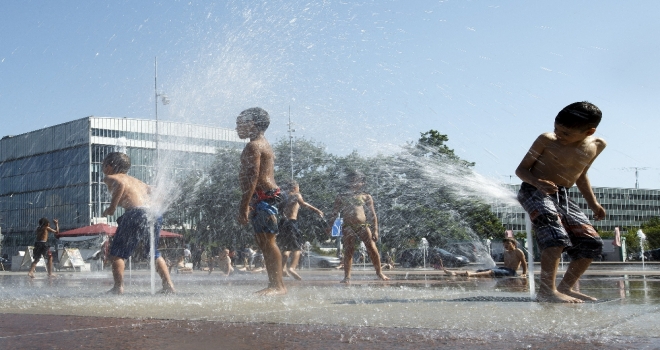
(291, 131)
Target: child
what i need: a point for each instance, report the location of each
(290, 238)
(260, 193)
(223, 261)
(41, 247)
(132, 195)
(351, 205)
(513, 259)
(555, 162)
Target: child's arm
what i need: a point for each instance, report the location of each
(374, 218)
(302, 203)
(584, 185)
(524, 169)
(523, 261)
(250, 166)
(117, 189)
(57, 227)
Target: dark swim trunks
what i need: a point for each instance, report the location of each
(264, 211)
(134, 229)
(41, 249)
(501, 272)
(559, 222)
(290, 237)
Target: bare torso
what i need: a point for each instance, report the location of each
(257, 167)
(292, 206)
(351, 207)
(564, 164)
(42, 233)
(513, 258)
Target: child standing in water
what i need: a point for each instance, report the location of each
(290, 237)
(260, 193)
(357, 223)
(132, 195)
(555, 162)
(41, 247)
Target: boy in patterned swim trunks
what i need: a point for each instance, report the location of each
(555, 162)
(351, 205)
(260, 193)
(290, 238)
(132, 195)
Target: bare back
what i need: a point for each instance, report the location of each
(257, 171)
(42, 233)
(127, 191)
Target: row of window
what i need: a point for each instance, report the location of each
(132, 135)
(53, 161)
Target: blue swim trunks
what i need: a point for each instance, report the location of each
(264, 217)
(134, 229)
(501, 272)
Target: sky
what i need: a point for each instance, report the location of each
(368, 76)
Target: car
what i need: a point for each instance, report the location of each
(653, 254)
(414, 258)
(466, 249)
(317, 260)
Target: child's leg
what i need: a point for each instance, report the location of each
(33, 267)
(285, 259)
(49, 266)
(547, 290)
(573, 273)
(372, 250)
(273, 262)
(117, 275)
(164, 272)
(295, 258)
(349, 246)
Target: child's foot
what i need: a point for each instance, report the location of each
(167, 290)
(577, 295)
(383, 277)
(31, 274)
(271, 291)
(52, 275)
(295, 275)
(285, 273)
(556, 297)
(449, 273)
(346, 280)
(116, 290)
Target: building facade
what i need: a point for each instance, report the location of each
(55, 172)
(625, 207)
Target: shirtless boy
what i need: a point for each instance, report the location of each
(223, 261)
(513, 259)
(290, 238)
(351, 205)
(41, 247)
(260, 193)
(555, 162)
(132, 195)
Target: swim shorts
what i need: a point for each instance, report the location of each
(501, 272)
(559, 222)
(41, 249)
(133, 229)
(290, 237)
(264, 211)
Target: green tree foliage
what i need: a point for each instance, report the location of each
(409, 204)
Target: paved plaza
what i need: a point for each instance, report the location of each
(417, 309)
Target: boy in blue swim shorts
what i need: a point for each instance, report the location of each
(132, 195)
(555, 162)
(514, 258)
(260, 193)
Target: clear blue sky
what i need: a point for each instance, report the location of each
(363, 75)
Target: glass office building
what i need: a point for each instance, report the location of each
(55, 172)
(625, 207)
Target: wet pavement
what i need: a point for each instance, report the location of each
(416, 309)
